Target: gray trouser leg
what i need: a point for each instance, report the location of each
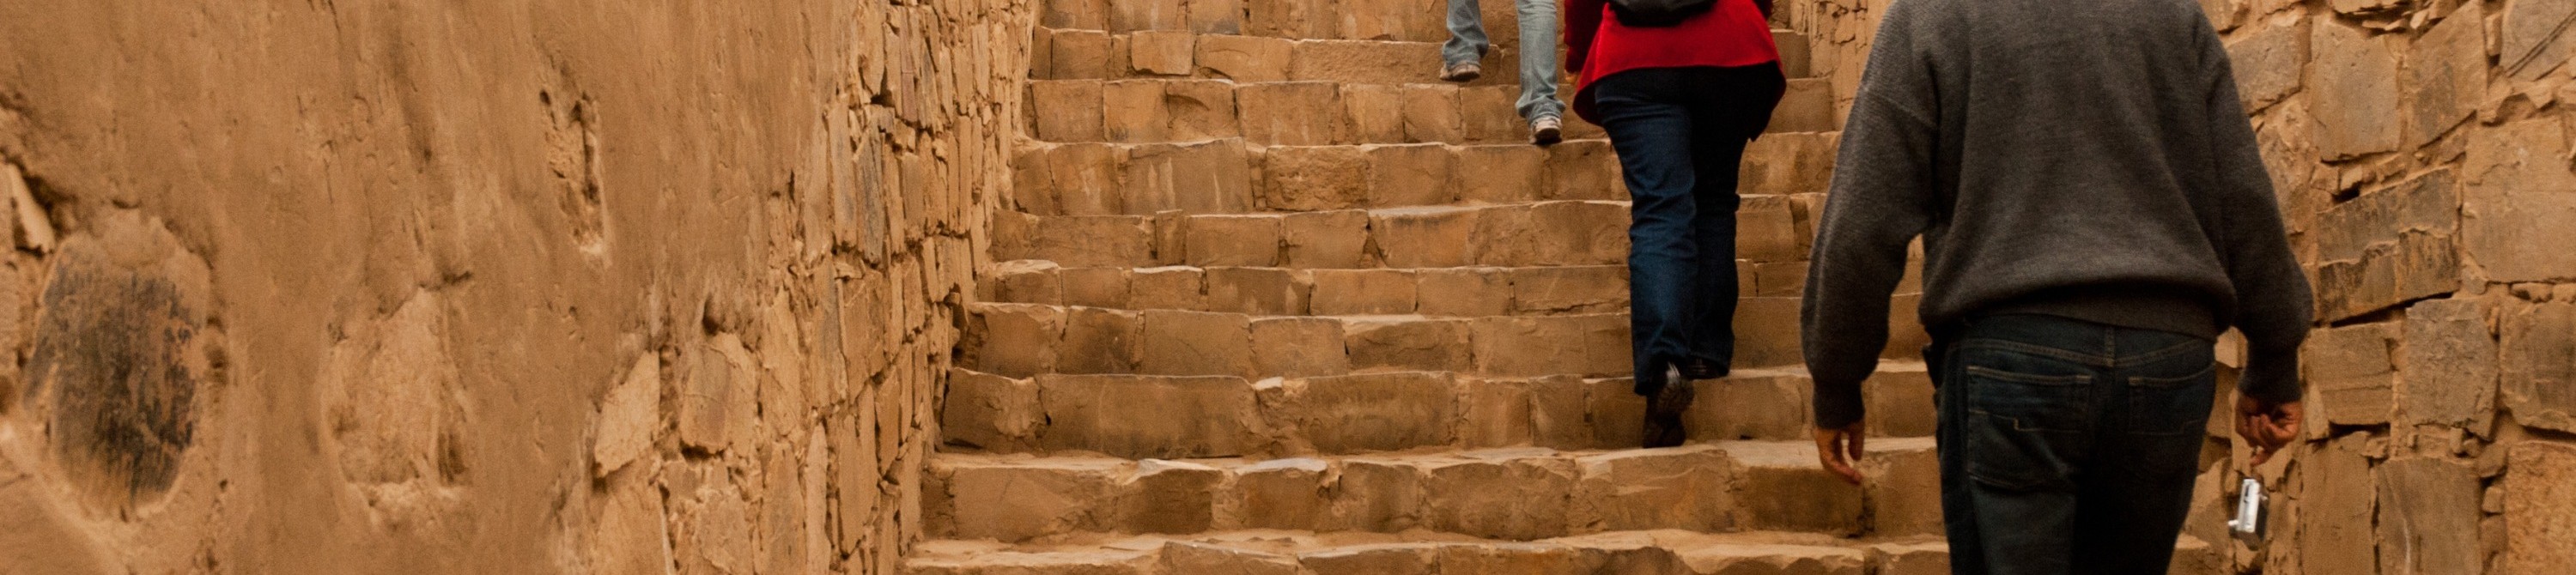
(1467, 41)
(1538, 57)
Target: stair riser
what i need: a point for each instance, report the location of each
(1177, 558)
(1165, 417)
(1515, 498)
(1093, 54)
(1022, 340)
(1225, 176)
(1318, 113)
(1543, 234)
(1443, 292)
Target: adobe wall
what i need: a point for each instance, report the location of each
(2421, 151)
(413, 287)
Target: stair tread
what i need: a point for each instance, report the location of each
(1391, 109)
(1235, 175)
(1297, 542)
(1283, 551)
(1755, 453)
(1518, 493)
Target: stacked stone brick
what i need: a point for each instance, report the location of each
(1269, 298)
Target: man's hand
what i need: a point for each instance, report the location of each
(2266, 426)
(1840, 450)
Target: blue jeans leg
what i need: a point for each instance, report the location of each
(1679, 164)
(2069, 447)
(1467, 42)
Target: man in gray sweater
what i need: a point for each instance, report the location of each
(2094, 214)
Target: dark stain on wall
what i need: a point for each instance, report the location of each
(112, 348)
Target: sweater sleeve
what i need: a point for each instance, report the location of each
(1582, 21)
(2273, 304)
(1882, 196)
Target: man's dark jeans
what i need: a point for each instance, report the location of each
(1680, 135)
(2068, 446)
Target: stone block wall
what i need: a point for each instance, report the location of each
(2421, 151)
(557, 286)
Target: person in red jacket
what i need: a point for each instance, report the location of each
(1679, 99)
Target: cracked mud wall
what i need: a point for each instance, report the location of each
(578, 287)
(2422, 154)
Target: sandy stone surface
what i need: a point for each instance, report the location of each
(547, 287)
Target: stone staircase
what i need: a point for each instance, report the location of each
(1272, 299)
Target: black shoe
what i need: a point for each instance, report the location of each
(1664, 410)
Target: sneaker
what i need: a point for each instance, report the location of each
(1664, 410)
(1462, 72)
(1547, 130)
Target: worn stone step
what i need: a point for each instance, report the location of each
(1316, 112)
(1436, 292)
(1524, 234)
(1020, 340)
(1075, 54)
(1229, 176)
(1510, 493)
(1304, 19)
(1658, 552)
(1546, 233)
(1290, 113)
(1098, 54)
(1280, 552)
(1268, 552)
(1228, 416)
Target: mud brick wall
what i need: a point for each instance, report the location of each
(2421, 151)
(559, 286)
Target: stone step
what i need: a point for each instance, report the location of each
(1021, 340)
(1527, 234)
(1297, 19)
(1227, 416)
(1659, 552)
(1294, 113)
(1096, 54)
(1277, 552)
(1230, 176)
(1435, 292)
(1522, 493)
(1546, 233)
(1075, 54)
(1315, 112)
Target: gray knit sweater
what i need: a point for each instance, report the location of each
(2082, 159)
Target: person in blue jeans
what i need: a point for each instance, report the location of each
(1680, 95)
(2094, 212)
(1460, 61)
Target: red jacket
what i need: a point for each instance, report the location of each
(1732, 33)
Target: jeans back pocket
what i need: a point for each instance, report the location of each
(2025, 389)
(2176, 405)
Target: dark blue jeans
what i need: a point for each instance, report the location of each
(1680, 135)
(2068, 446)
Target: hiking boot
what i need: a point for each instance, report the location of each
(1547, 130)
(1462, 72)
(1664, 410)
